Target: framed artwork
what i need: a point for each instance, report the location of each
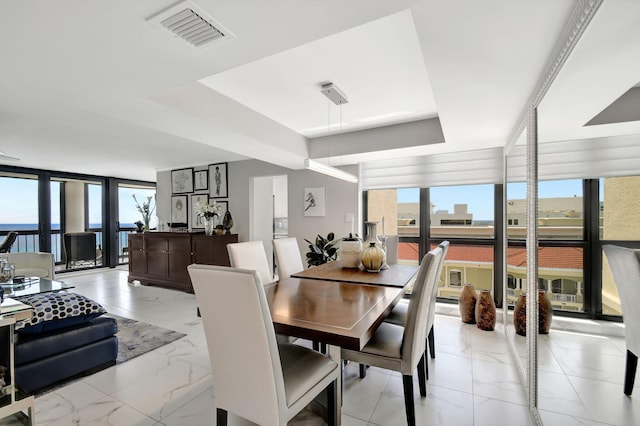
(182, 181)
(201, 180)
(314, 201)
(196, 221)
(225, 207)
(218, 186)
(179, 216)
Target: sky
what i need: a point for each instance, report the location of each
(479, 198)
(22, 196)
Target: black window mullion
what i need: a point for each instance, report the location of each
(592, 285)
(425, 223)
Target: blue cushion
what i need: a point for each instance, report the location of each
(53, 311)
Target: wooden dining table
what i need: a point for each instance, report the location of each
(337, 306)
(398, 275)
(336, 313)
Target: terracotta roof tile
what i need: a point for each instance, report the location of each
(548, 257)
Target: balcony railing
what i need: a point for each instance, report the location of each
(28, 241)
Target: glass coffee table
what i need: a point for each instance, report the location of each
(33, 285)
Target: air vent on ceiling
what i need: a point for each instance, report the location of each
(189, 23)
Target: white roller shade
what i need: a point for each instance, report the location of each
(460, 168)
(580, 159)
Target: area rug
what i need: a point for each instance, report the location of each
(136, 338)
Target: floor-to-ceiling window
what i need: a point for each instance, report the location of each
(19, 212)
(465, 216)
(43, 206)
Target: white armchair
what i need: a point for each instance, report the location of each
(625, 267)
(33, 264)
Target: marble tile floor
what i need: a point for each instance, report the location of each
(473, 379)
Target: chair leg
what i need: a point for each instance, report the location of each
(421, 375)
(363, 371)
(630, 372)
(407, 382)
(316, 346)
(431, 343)
(221, 417)
(332, 404)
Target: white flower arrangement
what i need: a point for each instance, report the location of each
(146, 209)
(208, 210)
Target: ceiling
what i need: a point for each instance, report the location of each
(99, 88)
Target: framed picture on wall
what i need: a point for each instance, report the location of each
(201, 180)
(218, 185)
(196, 221)
(225, 207)
(314, 201)
(182, 181)
(179, 208)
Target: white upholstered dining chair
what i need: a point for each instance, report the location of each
(402, 349)
(288, 259)
(625, 267)
(399, 314)
(251, 255)
(253, 376)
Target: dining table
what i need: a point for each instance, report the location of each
(337, 306)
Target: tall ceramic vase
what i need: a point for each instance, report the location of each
(520, 314)
(373, 256)
(485, 311)
(545, 312)
(467, 304)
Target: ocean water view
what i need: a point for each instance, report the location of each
(29, 241)
(54, 226)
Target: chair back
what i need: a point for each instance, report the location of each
(245, 362)
(7, 243)
(288, 257)
(434, 292)
(250, 255)
(415, 329)
(625, 267)
(392, 249)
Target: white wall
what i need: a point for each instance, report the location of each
(340, 198)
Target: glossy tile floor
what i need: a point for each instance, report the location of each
(473, 380)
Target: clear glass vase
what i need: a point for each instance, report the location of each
(209, 225)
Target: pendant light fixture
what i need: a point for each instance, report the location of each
(338, 97)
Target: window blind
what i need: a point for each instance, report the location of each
(580, 159)
(460, 168)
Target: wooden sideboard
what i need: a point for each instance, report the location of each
(161, 258)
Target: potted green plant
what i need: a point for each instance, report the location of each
(322, 251)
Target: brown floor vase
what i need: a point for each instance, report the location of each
(467, 304)
(485, 311)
